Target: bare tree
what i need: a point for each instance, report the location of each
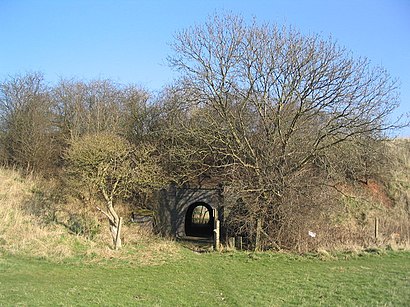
(27, 122)
(88, 107)
(101, 106)
(269, 102)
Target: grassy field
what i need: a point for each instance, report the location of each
(210, 279)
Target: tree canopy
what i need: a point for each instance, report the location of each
(271, 107)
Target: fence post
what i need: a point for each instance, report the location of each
(376, 228)
(217, 231)
(239, 243)
(231, 243)
(258, 235)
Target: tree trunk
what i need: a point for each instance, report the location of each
(115, 224)
(115, 229)
(118, 243)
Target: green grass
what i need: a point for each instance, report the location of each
(230, 279)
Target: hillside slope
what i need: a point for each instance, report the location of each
(24, 231)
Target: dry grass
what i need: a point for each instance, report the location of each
(389, 202)
(399, 188)
(398, 231)
(139, 247)
(349, 224)
(22, 232)
(25, 231)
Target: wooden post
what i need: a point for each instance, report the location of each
(258, 235)
(376, 228)
(217, 231)
(118, 237)
(240, 243)
(231, 242)
(216, 236)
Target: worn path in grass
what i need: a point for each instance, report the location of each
(231, 279)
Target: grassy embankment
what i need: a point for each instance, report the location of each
(24, 231)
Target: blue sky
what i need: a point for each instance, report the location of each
(127, 41)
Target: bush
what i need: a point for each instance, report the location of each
(84, 226)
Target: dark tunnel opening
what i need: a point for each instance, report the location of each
(199, 220)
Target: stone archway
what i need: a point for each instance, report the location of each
(177, 206)
(199, 220)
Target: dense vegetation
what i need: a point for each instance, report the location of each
(292, 126)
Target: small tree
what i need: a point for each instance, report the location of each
(113, 168)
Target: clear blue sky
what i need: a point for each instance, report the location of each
(127, 41)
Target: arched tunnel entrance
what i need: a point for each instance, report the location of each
(199, 220)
